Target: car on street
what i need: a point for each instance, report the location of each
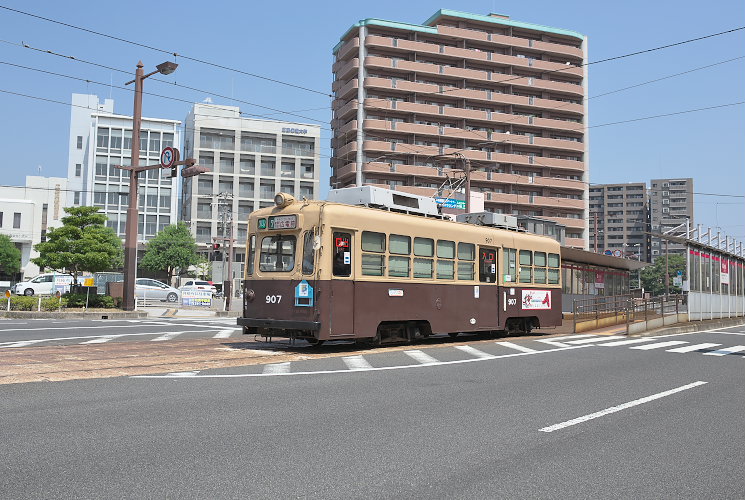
(43, 284)
(150, 289)
(199, 285)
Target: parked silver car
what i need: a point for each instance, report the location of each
(149, 289)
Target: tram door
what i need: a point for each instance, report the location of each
(488, 278)
(342, 284)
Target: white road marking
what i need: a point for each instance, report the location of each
(184, 374)
(628, 342)
(101, 340)
(93, 327)
(554, 341)
(517, 347)
(13, 343)
(223, 334)
(167, 336)
(277, 368)
(596, 339)
(728, 350)
(474, 352)
(23, 343)
(420, 356)
(378, 369)
(624, 406)
(692, 348)
(356, 363)
(659, 345)
(731, 333)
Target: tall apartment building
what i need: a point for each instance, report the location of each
(412, 101)
(618, 220)
(251, 161)
(100, 140)
(671, 204)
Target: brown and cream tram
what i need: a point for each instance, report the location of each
(318, 271)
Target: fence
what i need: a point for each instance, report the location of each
(638, 315)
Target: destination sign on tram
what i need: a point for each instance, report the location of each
(283, 222)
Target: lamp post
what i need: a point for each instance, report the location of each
(130, 235)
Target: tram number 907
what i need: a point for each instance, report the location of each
(273, 299)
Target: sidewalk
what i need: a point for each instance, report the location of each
(567, 328)
(173, 312)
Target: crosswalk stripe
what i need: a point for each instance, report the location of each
(691, 348)
(474, 352)
(628, 342)
(101, 340)
(729, 350)
(567, 337)
(356, 363)
(517, 347)
(276, 368)
(223, 334)
(167, 336)
(659, 345)
(596, 339)
(24, 343)
(423, 358)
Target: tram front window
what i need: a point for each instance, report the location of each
(277, 253)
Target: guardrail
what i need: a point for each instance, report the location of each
(639, 315)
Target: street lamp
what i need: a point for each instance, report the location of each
(130, 235)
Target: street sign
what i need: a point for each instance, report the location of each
(168, 157)
(450, 203)
(7, 294)
(616, 253)
(608, 252)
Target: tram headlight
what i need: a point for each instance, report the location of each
(283, 199)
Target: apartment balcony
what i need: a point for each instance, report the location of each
(465, 53)
(559, 183)
(574, 242)
(350, 48)
(568, 222)
(474, 74)
(410, 45)
(465, 113)
(545, 142)
(558, 124)
(568, 107)
(348, 90)
(407, 128)
(345, 69)
(348, 127)
(346, 111)
(347, 149)
(531, 200)
(542, 84)
(510, 41)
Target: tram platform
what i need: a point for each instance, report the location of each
(567, 328)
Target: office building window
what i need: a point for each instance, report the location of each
(1, 219)
(16, 221)
(77, 198)
(78, 170)
(80, 142)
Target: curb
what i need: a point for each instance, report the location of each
(73, 315)
(697, 326)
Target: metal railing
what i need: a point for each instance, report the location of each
(599, 312)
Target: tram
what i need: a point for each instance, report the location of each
(319, 270)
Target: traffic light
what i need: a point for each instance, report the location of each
(216, 251)
(215, 246)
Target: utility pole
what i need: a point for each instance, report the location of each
(225, 214)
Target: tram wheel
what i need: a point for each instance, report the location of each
(453, 334)
(315, 342)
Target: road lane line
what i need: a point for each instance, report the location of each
(596, 339)
(223, 334)
(659, 345)
(277, 368)
(517, 347)
(378, 369)
(692, 348)
(101, 340)
(474, 352)
(23, 343)
(420, 356)
(624, 406)
(356, 363)
(56, 339)
(628, 342)
(167, 336)
(728, 350)
(554, 341)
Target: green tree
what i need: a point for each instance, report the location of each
(653, 277)
(82, 243)
(10, 257)
(173, 248)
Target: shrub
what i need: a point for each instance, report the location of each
(50, 304)
(20, 303)
(74, 300)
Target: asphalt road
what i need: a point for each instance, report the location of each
(576, 417)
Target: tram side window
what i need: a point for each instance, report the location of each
(466, 253)
(308, 253)
(399, 263)
(553, 268)
(372, 263)
(526, 269)
(251, 254)
(423, 247)
(342, 254)
(277, 253)
(445, 260)
(539, 271)
(510, 265)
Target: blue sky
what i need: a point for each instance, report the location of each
(292, 41)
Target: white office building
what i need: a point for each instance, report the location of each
(250, 160)
(100, 140)
(27, 212)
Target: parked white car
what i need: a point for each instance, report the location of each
(44, 284)
(199, 285)
(146, 288)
